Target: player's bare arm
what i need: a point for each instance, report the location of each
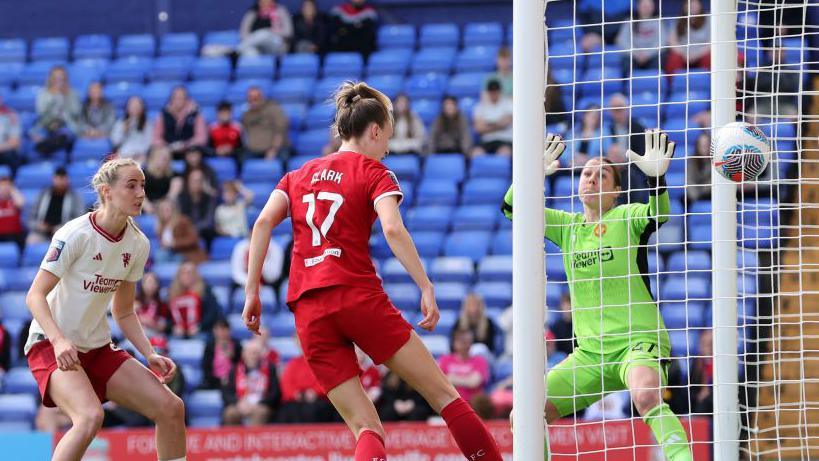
(64, 351)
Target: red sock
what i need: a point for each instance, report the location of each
(370, 447)
(470, 433)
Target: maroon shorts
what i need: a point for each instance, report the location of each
(362, 317)
(99, 364)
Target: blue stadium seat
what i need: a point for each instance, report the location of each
(221, 248)
(131, 69)
(262, 67)
(445, 323)
(452, 269)
(686, 105)
(405, 296)
(19, 279)
(299, 65)
(186, 351)
(295, 113)
(216, 273)
(695, 263)
(438, 345)
(327, 86)
(12, 50)
(681, 288)
(425, 86)
(225, 38)
(450, 167)
(13, 305)
(141, 45)
(156, 94)
(92, 46)
(294, 163)
(472, 244)
(23, 99)
(85, 71)
(207, 92)
(238, 329)
(450, 295)
(90, 149)
(437, 192)
(35, 73)
(759, 223)
(684, 343)
(502, 242)
(390, 85)
(224, 167)
(49, 48)
(475, 217)
(396, 36)
(484, 191)
(495, 294)
(437, 60)
(393, 272)
(9, 254)
(33, 254)
(237, 91)
(147, 224)
(318, 116)
(429, 244)
(389, 62)
(17, 407)
(483, 33)
(476, 59)
(9, 72)
(310, 143)
(204, 403)
(118, 93)
(266, 295)
(282, 325)
(427, 110)
(207, 68)
(691, 82)
(490, 166)
(497, 268)
(467, 84)
(170, 68)
(293, 90)
(260, 170)
(439, 35)
(19, 380)
(646, 108)
(179, 44)
(429, 218)
(406, 167)
(343, 64)
(34, 175)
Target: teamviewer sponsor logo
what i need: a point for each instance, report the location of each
(101, 284)
(310, 262)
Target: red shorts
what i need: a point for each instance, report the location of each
(363, 317)
(99, 364)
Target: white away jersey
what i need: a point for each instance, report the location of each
(90, 264)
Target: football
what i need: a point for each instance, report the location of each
(740, 151)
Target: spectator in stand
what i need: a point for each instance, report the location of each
(178, 238)
(222, 352)
(9, 137)
(252, 393)
(180, 125)
(593, 14)
(266, 28)
(192, 305)
(272, 268)
(97, 117)
(11, 213)
(194, 160)
(55, 206)
(132, 134)
(780, 79)
(698, 171)
(5, 349)
(503, 72)
(621, 133)
(473, 318)
(553, 103)
(265, 126)
(198, 203)
(303, 399)
(468, 373)
(450, 130)
(263, 338)
(160, 181)
(701, 372)
(58, 112)
(231, 214)
(310, 28)
(562, 327)
(400, 402)
(689, 41)
(150, 307)
(408, 131)
(590, 142)
(354, 27)
(493, 122)
(642, 36)
(225, 133)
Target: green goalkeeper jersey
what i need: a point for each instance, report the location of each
(606, 266)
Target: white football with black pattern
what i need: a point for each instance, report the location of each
(740, 151)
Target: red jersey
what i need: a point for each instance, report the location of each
(225, 134)
(332, 205)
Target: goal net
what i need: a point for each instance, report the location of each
(615, 68)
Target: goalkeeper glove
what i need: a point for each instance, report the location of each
(554, 147)
(659, 150)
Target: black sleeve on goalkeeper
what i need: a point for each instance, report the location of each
(657, 183)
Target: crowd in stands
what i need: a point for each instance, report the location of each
(209, 167)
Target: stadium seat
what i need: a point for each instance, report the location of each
(9, 72)
(49, 48)
(224, 167)
(147, 224)
(437, 192)
(471, 244)
(445, 323)
(484, 191)
(34, 175)
(429, 218)
(445, 167)
(92, 46)
(680, 315)
(141, 45)
(216, 273)
(156, 94)
(193, 377)
(90, 149)
(450, 295)
(23, 99)
(131, 69)
(319, 116)
(179, 44)
(438, 345)
(310, 143)
(19, 380)
(469, 84)
(13, 305)
(496, 268)
(261, 67)
(170, 68)
(238, 329)
(221, 248)
(405, 296)
(118, 93)
(343, 64)
(476, 59)
(12, 50)
(293, 90)
(186, 351)
(20, 279)
(326, 88)
(260, 170)
(495, 294)
(405, 167)
(223, 38)
(295, 113)
(35, 73)
(436, 60)
(439, 35)
(429, 244)
(286, 347)
(85, 71)
(204, 403)
(396, 36)
(9, 254)
(207, 92)
(475, 217)
(684, 343)
(502, 242)
(207, 68)
(452, 269)
(695, 263)
(299, 65)
(393, 272)
(483, 34)
(425, 86)
(294, 163)
(389, 62)
(282, 325)
(267, 296)
(681, 288)
(18, 407)
(390, 85)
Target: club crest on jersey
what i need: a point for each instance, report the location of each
(126, 259)
(599, 229)
(55, 251)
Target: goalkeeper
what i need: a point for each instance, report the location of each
(622, 341)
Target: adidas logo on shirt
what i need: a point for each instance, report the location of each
(98, 257)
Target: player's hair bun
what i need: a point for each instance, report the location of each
(358, 105)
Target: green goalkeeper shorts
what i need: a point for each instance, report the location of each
(585, 377)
